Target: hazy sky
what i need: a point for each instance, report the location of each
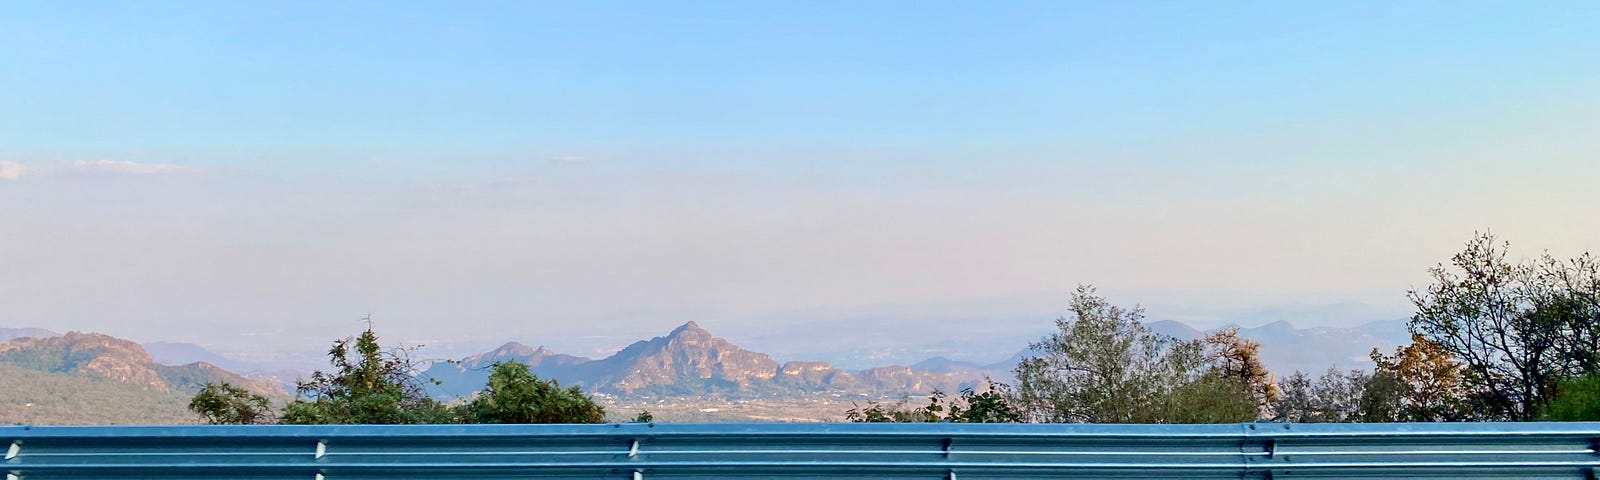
(264, 174)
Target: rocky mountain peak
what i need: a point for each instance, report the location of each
(517, 350)
(690, 331)
(532, 356)
(687, 352)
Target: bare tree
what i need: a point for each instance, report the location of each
(1518, 327)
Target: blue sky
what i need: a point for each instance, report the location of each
(521, 166)
(484, 77)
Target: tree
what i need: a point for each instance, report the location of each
(1568, 294)
(515, 395)
(1334, 397)
(375, 387)
(1104, 366)
(1433, 387)
(1383, 399)
(1211, 398)
(994, 405)
(1576, 400)
(1238, 359)
(1296, 402)
(1517, 328)
(1339, 394)
(226, 404)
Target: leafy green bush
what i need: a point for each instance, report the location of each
(375, 388)
(1576, 400)
(226, 404)
(515, 395)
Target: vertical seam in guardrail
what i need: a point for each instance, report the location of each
(1594, 448)
(948, 444)
(319, 455)
(633, 455)
(11, 454)
(1253, 443)
(1245, 439)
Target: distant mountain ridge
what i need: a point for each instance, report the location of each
(688, 361)
(1286, 348)
(176, 353)
(463, 377)
(6, 334)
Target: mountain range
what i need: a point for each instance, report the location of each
(691, 361)
(688, 361)
(1286, 348)
(7, 334)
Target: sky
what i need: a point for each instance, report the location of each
(259, 176)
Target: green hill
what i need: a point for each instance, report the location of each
(91, 378)
(40, 398)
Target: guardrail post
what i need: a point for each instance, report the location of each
(1259, 450)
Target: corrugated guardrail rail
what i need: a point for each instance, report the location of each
(927, 451)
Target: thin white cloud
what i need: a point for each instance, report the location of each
(12, 170)
(568, 159)
(124, 166)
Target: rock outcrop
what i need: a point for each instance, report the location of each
(689, 353)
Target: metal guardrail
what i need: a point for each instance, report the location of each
(926, 451)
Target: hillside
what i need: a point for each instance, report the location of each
(100, 356)
(40, 398)
(91, 378)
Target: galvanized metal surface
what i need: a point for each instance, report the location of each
(925, 451)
